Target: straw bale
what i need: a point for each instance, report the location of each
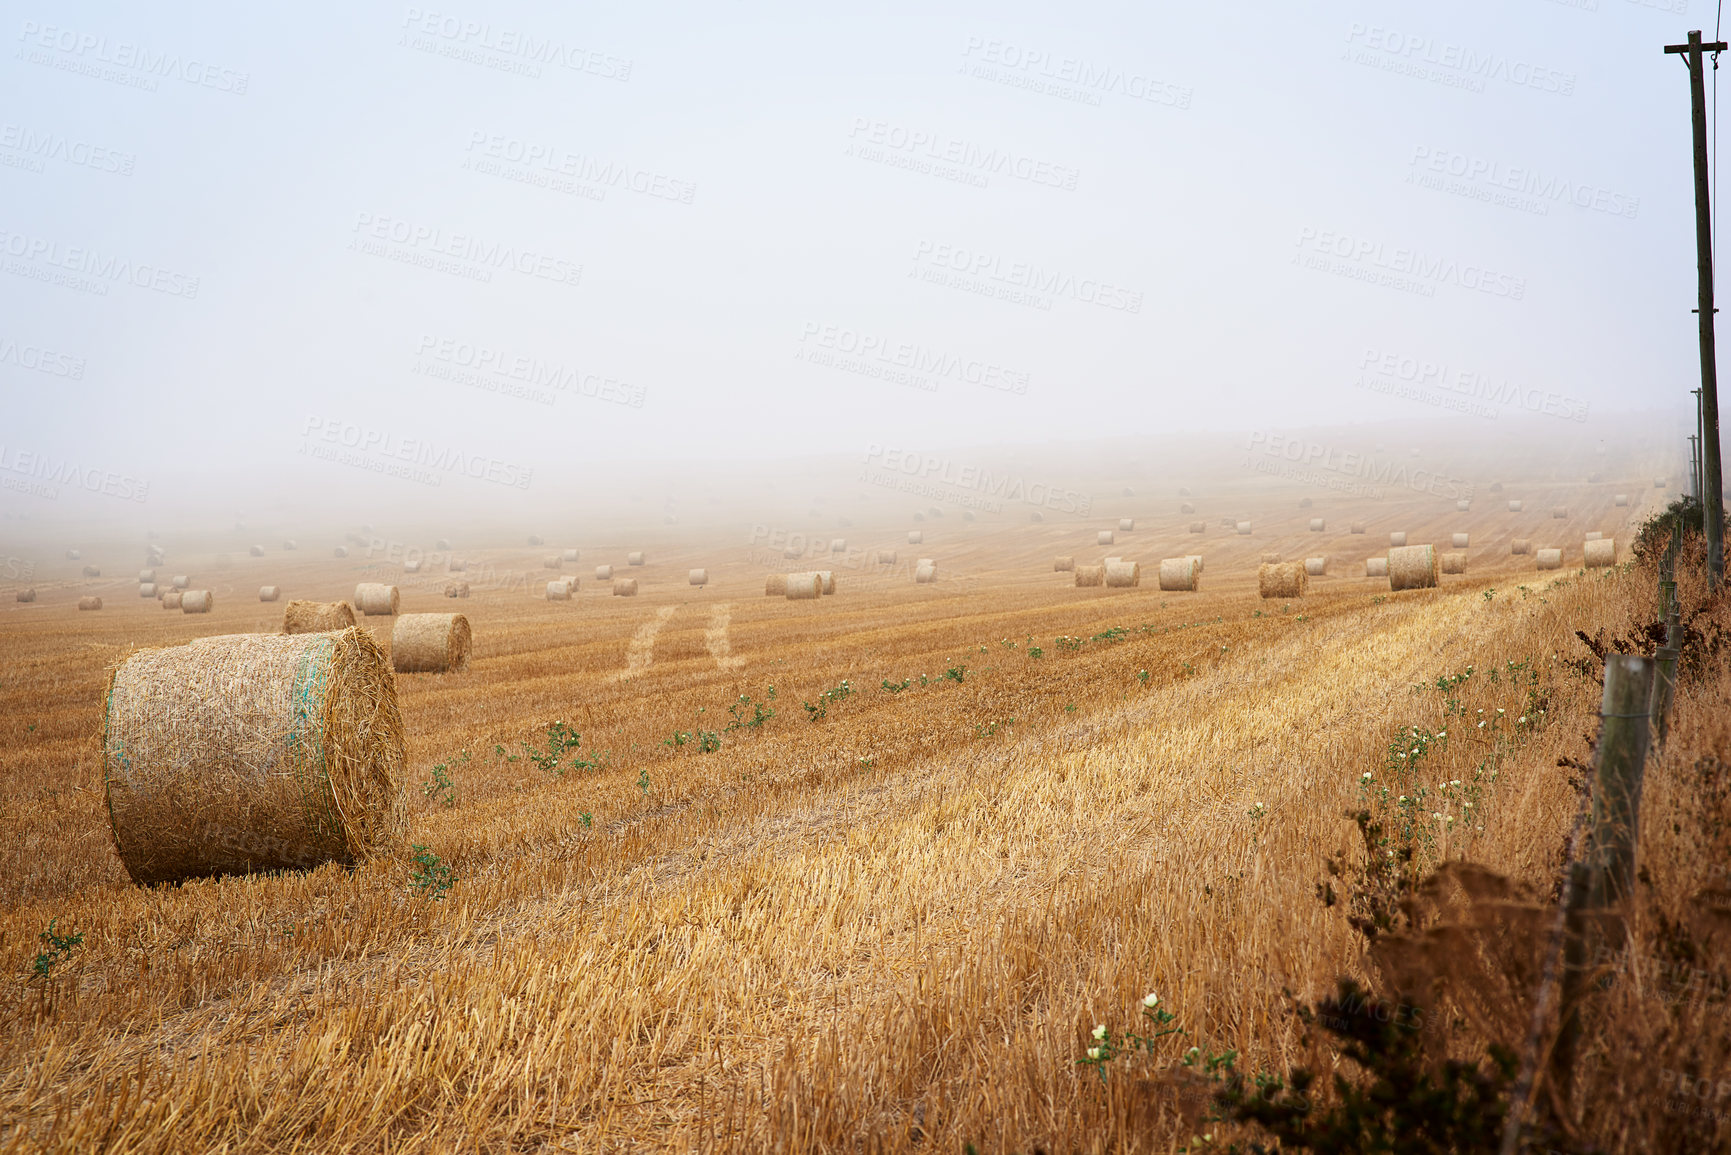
(456, 589)
(1315, 566)
(1397, 539)
(73, 555)
(775, 585)
(1463, 506)
(456, 565)
(1317, 525)
(1459, 540)
(1281, 580)
(1595, 536)
(1090, 575)
(926, 572)
(430, 644)
(340, 551)
(443, 543)
(1270, 558)
(804, 586)
(412, 566)
(1104, 537)
(171, 600)
(376, 599)
(624, 587)
(146, 575)
(1179, 573)
(1376, 567)
(89, 603)
(792, 552)
(1187, 507)
(1454, 563)
(1244, 528)
(1198, 527)
(288, 543)
(570, 555)
(92, 571)
(26, 595)
(256, 551)
(317, 617)
(635, 557)
(1197, 558)
(1123, 574)
(197, 601)
(551, 561)
(838, 545)
(1602, 552)
(886, 557)
(1127, 524)
(269, 593)
(1549, 559)
(1514, 507)
(1412, 567)
(603, 573)
(558, 591)
(146, 589)
(1621, 499)
(916, 537)
(1521, 545)
(1559, 512)
(1356, 527)
(535, 540)
(827, 576)
(698, 577)
(1064, 564)
(181, 581)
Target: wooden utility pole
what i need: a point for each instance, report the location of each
(1710, 475)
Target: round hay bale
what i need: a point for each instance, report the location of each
(1126, 524)
(197, 601)
(269, 593)
(1600, 553)
(181, 581)
(1357, 527)
(26, 595)
(570, 555)
(926, 572)
(1315, 566)
(252, 752)
(1459, 540)
(1521, 545)
(558, 591)
(1244, 528)
(1463, 506)
(146, 575)
(1122, 575)
(1187, 507)
(288, 543)
(1270, 558)
(147, 589)
(535, 540)
(838, 545)
(317, 617)
(412, 566)
(430, 644)
(256, 551)
(1595, 536)
(456, 565)
(916, 537)
(1620, 499)
(1179, 573)
(73, 555)
(698, 577)
(551, 561)
(1090, 575)
(456, 589)
(603, 573)
(1412, 567)
(89, 603)
(625, 587)
(792, 553)
(1397, 539)
(570, 580)
(1514, 507)
(1065, 564)
(1549, 559)
(1112, 561)
(171, 600)
(1376, 567)
(91, 571)
(1454, 563)
(1281, 580)
(886, 557)
(340, 551)
(828, 578)
(1198, 527)
(1559, 512)
(1317, 525)
(635, 557)
(775, 585)
(804, 586)
(376, 599)
(1197, 558)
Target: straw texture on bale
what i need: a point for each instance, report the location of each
(804, 586)
(827, 577)
(926, 572)
(146, 575)
(317, 617)
(1198, 527)
(1559, 512)
(181, 581)
(1104, 537)
(558, 591)
(1454, 563)
(1317, 525)
(92, 571)
(1270, 558)
(1127, 524)
(1412, 567)
(252, 752)
(376, 599)
(1549, 559)
(916, 537)
(570, 555)
(26, 595)
(1601, 553)
(89, 603)
(196, 601)
(1397, 539)
(1459, 540)
(456, 589)
(775, 585)
(1244, 528)
(1281, 580)
(635, 557)
(1315, 566)
(256, 551)
(1123, 574)
(147, 590)
(1620, 499)
(1090, 575)
(430, 644)
(171, 600)
(1197, 558)
(1376, 567)
(1179, 573)
(603, 573)
(625, 587)
(269, 593)
(1063, 564)
(698, 577)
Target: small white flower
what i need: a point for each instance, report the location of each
(1100, 1031)
(1499, 709)
(1523, 717)
(1481, 724)
(1450, 818)
(1367, 775)
(1467, 805)
(1454, 781)
(1093, 1052)
(1150, 999)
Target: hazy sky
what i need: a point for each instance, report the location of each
(542, 240)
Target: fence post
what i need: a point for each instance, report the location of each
(1618, 765)
(1665, 677)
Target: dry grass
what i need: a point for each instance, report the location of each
(890, 929)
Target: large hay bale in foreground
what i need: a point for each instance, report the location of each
(775, 585)
(252, 752)
(1064, 564)
(804, 587)
(635, 557)
(1600, 553)
(625, 587)
(1317, 525)
(1459, 540)
(1621, 499)
(430, 644)
(456, 589)
(698, 577)
(1521, 545)
(317, 617)
(1198, 527)
(1549, 559)
(926, 572)
(558, 591)
(1197, 558)
(1315, 566)
(376, 599)
(603, 573)
(1454, 563)
(1376, 567)
(26, 595)
(1121, 575)
(1179, 574)
(1412, 567)
(269, 593)
(197, 601)
(89, 603)
(1397, 539)
(171, 600)
(1281, 580)
(1514, 507)
(147, 590)
(1090, 575)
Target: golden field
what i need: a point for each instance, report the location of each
(890, 928)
